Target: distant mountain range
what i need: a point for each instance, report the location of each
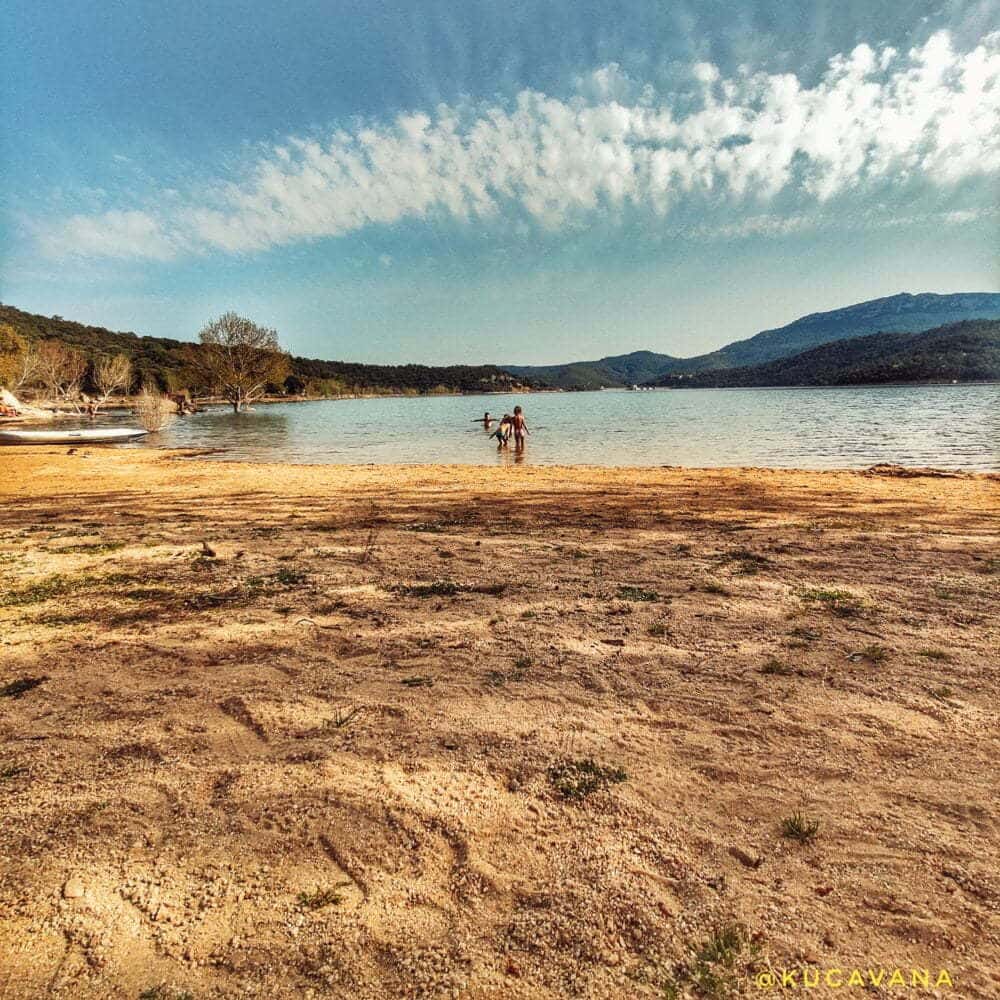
(961, 352)
(902, 313)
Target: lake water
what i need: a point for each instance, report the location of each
(955, 427)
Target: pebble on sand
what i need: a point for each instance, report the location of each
(73, 889)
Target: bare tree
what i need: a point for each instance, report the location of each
(111, 375)
(25, 368)
(239, 359)
(61, 370)
(153, 409)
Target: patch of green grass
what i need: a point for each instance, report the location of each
(321, 897)
(528, 615)
(630, 593)
(718, 968)
(935, 654)
(447, 588)
(576, 779)
(657, 630)
(774, 666)
(60, 585)
(290, 577)
(21, 686)
(842, 603)
(798, 827)
(91, 547)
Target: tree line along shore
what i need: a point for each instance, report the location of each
(64, 365)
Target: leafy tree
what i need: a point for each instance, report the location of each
(13, 349)
(240, 359)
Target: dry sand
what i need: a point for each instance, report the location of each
(329, 760)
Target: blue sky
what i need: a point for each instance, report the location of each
(471, 181)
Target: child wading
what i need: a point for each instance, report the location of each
(503, 431)
(520, 428)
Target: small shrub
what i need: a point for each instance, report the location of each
(153, 410)
(289, 577)
(774, 666)
(320, 898)
(657, 630)
(576, 779)
(943, 693)
(797, 827)
(714, 587)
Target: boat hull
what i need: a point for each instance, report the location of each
(86, 435)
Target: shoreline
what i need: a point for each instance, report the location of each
(379, 731)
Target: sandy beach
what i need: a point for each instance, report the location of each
(447, 731)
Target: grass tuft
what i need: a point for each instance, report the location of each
(842, 603)
(320, 898)
(630, 593)
(798, 827)
(774, 666)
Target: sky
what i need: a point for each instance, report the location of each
(471, 182)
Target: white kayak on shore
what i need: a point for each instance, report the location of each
(85, 435)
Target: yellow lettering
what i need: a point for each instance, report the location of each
(896, 979)
(944, 979)
(788, 977)
(810, 978)
(920, 977)
(833, 979)
(855, 978)
(875, 976)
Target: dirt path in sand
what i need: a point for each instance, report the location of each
(440, 731)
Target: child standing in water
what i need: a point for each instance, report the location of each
(502, 433)
(520, 428)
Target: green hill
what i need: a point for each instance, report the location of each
(901, 313)
(618, 370)
(162, 361)
(959, 352)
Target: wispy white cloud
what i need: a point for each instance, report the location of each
(110, 234)
(876, 115)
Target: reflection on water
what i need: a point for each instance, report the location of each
(946, 426)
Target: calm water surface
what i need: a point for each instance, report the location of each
(945, 426)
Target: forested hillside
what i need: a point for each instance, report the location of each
(962, 352)
(166, 363)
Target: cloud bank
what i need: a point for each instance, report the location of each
(876, 115)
